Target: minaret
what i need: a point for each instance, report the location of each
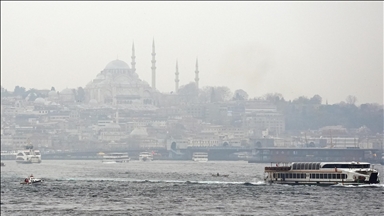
(117, 116)
(177, 78)
(133, 58)
(153, 65)
(197, 74)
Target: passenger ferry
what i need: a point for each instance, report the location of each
(8, 155)
(28, 156)
(322, 173)
(116, 158)
(145, 156)
(200, 156)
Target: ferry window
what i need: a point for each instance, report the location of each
(338, 176)
(301, 165)
(318, 166)
(278, 175)
(293, 175)
(329, 176)
(344, 176)
(294, 166)
(312, 176)
(321, 176)
(302, 175)
(306, 166)
(317, 176)
(334, 176)
(290, 175)
(274, 175)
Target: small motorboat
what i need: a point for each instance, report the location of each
(31, 180)
(218, 175)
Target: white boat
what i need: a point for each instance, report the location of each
(28, 156)
(145, 156)
(322, 173)
(31, 180)
(116, 158)
(200, 156)
(8, 155)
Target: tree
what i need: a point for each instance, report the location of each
(80, 94)
(19, 90)
(351, 99)
(4, 92)
(316, 99)
(240, 94)
(205, 94)
(301, 100)
(222, 93)
(273, 97)
(189, 92)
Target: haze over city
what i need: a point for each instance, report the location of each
(333, 49)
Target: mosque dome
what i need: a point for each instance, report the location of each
(117, 64)
(39, 100)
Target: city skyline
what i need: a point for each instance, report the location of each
(332, 49)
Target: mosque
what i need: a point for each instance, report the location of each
(118, 83)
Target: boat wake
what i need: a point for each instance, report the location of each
(360, 186)
(163, 181)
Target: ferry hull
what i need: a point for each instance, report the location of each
(350, 183)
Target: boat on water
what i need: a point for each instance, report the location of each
(28, 156)
(322, 173)
(2, 164)
(200, 157)
(31, 180)
(116, 158)
(145, 156)
(218, 175)
(8, 155)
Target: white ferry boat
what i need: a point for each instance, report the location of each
(322, 173)
(200, 156)
(8, 155)
(145, 156)
(116, 158)
(28, 156)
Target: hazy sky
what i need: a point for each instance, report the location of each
(333, 49)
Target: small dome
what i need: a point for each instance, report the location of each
(117, 64)
(139, 132)
(52, 94)
(39, 100)
(66, 91)
(93, 102)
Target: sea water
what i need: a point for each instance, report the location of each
(173, 188)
